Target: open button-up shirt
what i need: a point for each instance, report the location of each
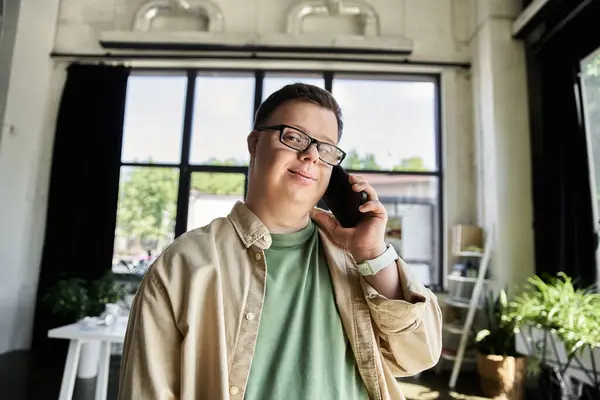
(194, 321)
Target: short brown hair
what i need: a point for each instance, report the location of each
(301, 92)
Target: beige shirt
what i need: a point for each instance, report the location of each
(194, 321)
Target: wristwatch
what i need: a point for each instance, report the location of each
(371, 267)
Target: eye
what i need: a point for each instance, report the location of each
(292, 137)
(327, 150)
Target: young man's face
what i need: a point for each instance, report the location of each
(283, 174)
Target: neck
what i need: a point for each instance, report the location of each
(278, 218)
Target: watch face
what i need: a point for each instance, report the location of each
(365, 269)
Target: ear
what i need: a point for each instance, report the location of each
(252, 143)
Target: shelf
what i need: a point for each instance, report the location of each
(459, 303)
(450, 355)
(474, 254)
(454, 328)
(459, 278)
(468, 359)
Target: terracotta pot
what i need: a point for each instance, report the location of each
(502, 377)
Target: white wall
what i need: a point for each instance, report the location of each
(440, 30)
(31, 105)
(502, 132)
(7, 41)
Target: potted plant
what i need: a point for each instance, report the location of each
(72, 299)
(559, 325)
(501, 369)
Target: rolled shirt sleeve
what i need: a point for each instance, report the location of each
(410, 329)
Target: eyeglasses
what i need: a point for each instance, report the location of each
(295, 139)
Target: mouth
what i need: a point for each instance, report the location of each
(303, 174)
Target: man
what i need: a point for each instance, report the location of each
(269, 303)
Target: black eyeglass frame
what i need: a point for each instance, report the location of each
(281, 128)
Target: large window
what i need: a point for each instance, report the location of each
(184, 157)
(590, 82)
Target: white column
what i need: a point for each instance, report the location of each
(502, 135)
(25, 152)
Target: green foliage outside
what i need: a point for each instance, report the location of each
(147, 202)
(367, 162)
(354, 161)
(412, 164)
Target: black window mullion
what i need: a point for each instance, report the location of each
(439, 162)
(245, 184)
(328, 76)
(185, 174)
(259, 77)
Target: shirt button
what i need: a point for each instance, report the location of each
(258, 256)
(234, 390)
(250, 316)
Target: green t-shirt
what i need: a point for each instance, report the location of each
(301, 351)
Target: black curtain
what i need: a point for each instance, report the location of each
(84, 183)
(563, 218)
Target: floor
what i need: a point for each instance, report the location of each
(22, 378)
(430, 386)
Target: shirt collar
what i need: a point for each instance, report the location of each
(249, 227)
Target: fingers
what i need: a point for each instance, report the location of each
(326, 221)
(361, 185)
(373, 206)
(332, 227)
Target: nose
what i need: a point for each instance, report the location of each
(311, 154)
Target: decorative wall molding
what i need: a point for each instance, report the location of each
(369, 44)
(351, 8)
(200, 8)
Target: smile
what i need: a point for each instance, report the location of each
(302, 175)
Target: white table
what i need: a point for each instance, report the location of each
(78, 335)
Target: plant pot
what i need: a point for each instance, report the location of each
(89, 359)
(502, 377)
(533, 340)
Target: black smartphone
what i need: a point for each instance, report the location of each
(342, 200)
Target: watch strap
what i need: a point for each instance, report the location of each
(371, 267)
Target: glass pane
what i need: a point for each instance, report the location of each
(590, 68)
(272, 83)
(388, 124)
(145, 216)
(212, 195)
(223, 115)
(154, 112)
(413, 225)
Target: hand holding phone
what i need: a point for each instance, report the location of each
(342, 200)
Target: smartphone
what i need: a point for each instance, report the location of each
(342, 200)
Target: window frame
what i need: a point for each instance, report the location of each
(186, 169)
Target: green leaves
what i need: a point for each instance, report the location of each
(410, 164)
(355, 161)
(499, 336)
(68, 298)
(147, 202)
(555, 303)
(482, 335)
(74, 298)
(221, 183)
